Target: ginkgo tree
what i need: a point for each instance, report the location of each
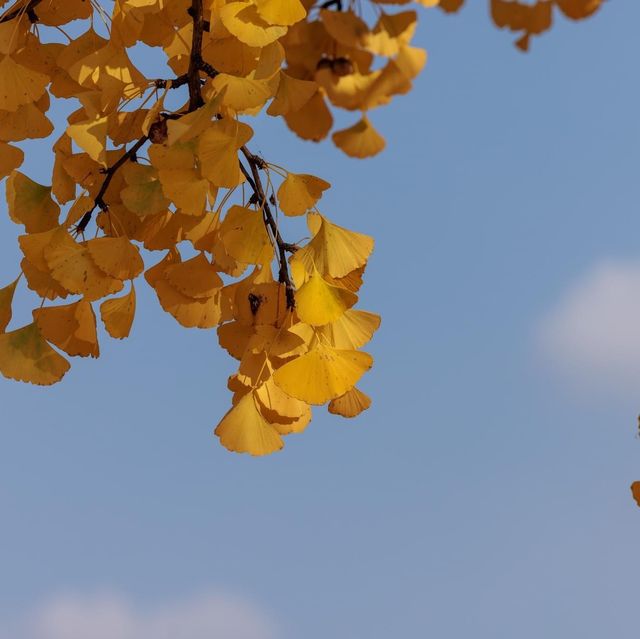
(165, 165)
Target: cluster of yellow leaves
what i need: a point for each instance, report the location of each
(179, 179)
(163, 165)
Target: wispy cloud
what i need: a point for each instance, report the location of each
(592, 336)
(108, 616)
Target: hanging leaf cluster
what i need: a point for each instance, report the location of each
(164, 165)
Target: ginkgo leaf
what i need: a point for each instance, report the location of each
(191, 313)
(284, 12)
(19, 84)
(318, 302)
(218, 151)
(313, 121)
(292, 95)
(245, 237)
(334, 250)
(353, 329)
(11, 158)
(635, 491)
(91, 136)
(116, 256)
(245, 23)
(31, 204)
(322, 374)
(70, 264)
(351, 404)
(196, 278)
(72, 328)
(299, 192)
(25, 356)
(244, 430)
(360, 140)
(277, 406)
(118, 314)
(6, 299)
(41, 281)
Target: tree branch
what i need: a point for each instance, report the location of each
(195, 60)
(255, 164)
(98, 201)
(29, 9)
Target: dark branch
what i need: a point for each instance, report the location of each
(29, 9)
(195, 60)
(109, 173)
(255, 164)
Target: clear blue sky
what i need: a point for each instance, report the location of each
(484, 494)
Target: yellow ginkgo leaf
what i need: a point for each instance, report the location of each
(353, 329)
(185, 188)
(191, 313)
(334, 250)
(318, 302)
(243, 21)
(191, 125)
(6, 299)
(360, 140)
(72, 267)
(31, 204)
(292, 95)
(118, 314)
(19, 84)
(116, 256)
(245, 237)
(351, 404)
(391, 32)
(244, 430)
(234, 338)
(196, 278)
(156, 273)
(218, 151)
(313, 121)
(345, 26)
(72, 328)
(276, 406)
(25, 356)
(322, 374)
(297, 425)
(143, 195)
(299, 192)
(11, 158)
(284, 12)
(260, 303)
(242, 94)
(91, 136)
(41, 281)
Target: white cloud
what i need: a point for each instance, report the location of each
(107, 616)
(593, 334)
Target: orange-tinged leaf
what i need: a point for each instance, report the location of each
(196, 278)
(244, 430)
(70, 264)
(635, 491)
(191, 313)
(72, 328)
(26, 357)
(6, 299)
(11, 158)
(31, 204)
(118, 314)
(19, 85)
(116, 256)
(351, 404)
(360, 140)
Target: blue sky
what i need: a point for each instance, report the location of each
(485, 493)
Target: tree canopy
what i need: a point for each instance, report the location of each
(165, 165)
